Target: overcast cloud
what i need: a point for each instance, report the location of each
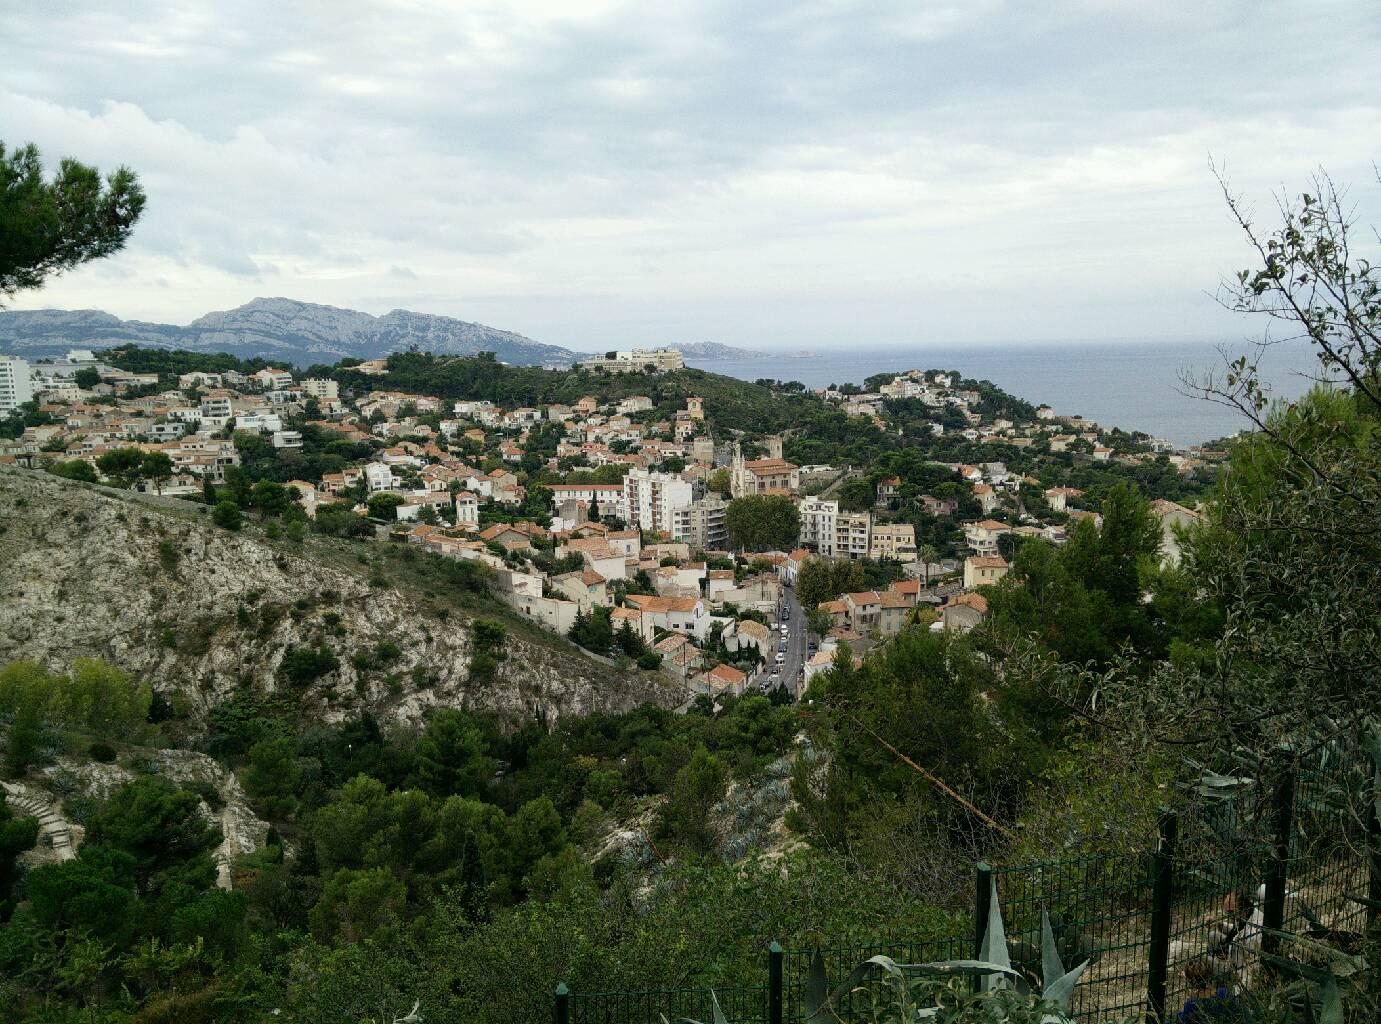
(759, 173)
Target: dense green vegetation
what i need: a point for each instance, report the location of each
(172, 363)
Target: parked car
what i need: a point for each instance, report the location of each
(780, 658)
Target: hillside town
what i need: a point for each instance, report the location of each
(598, 518)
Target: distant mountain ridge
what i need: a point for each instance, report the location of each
(301, 333)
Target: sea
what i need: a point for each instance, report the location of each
(1135, 385)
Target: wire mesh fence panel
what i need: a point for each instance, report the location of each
(740, 1005)
(1099, 909)
(1331, 831)
(1220, 874)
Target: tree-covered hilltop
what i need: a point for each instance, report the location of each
(730, 404)
(171, 363)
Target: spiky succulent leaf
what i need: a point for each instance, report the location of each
(1061, 990)
(994, 946)
(976, 968)
(714, 1008)
(817, 986)
(1051, 967)
(1331, 1012)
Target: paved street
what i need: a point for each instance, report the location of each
(795, 652)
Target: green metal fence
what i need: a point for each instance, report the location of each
(747, 1005)
(1291, 844)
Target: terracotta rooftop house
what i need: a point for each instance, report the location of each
(910, 589)
(724, 678)
(984, 570)
(963, 612)
(647, 603)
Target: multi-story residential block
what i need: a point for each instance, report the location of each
(650, 499)
(217, 407)
(169, 431)
(16, 384)
(893, 540)
(702, 524)
(832, 533)
(320, 387)
(817, 525)
(851, 533)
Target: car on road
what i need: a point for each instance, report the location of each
(780, 658)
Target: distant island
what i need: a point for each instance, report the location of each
(714, 350)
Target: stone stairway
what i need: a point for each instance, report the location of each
(51, 824)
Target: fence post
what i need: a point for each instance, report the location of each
(1374, 866)
(1278, 869)
(1162, 901)
(563, 1004)
(774, 983)
(982, 900)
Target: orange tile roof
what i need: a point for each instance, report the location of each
(647, 603)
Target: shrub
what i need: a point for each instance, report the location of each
(102, 752)
(304, 665)
(650, 661)
(167, 554)
(483, 666)
(227, 516)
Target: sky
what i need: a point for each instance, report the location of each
(593, 173)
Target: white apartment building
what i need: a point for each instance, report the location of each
(16, 384)
(320, 387)
(649, 499)
(378, 477)
(832, 533)
(269, 378)
(817, 524)
(264, 423)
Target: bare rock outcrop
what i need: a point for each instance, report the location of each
(201, 613)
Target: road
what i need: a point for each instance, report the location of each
(796, 653)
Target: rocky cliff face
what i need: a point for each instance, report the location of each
(149, 585)
(275, 328)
